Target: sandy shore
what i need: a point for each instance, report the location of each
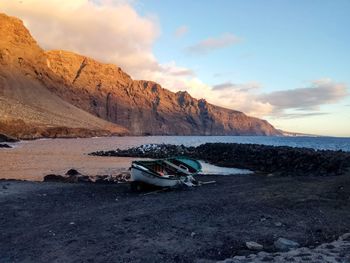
(46, 222)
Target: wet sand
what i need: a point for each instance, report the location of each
(46, 222)
(32, 160)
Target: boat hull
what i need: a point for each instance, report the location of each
(138, 174)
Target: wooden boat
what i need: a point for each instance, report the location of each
(168, 172)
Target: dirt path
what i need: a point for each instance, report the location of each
(46, 222)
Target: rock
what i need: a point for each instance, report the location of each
(228, 260)
(72, 172)
(239, 257)
(284, 244)
(278, 224)
(29, 106)
(54, 178)
(345, 237)
(253, 245)
(336, 251)
(193, 234)
(6, 138)
(262, 254)
(4, 145)
(281, 160)
(84, 179)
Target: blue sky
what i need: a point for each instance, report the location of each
(283, 45)
(286, 61)
(283, 42)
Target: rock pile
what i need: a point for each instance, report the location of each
(73, 176)
(283, 244)
(334, 252)
(281, 160)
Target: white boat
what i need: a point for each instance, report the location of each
(169, 172)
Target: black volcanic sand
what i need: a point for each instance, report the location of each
(60, 222)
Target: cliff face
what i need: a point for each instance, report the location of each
(59, 93)
(28, 109)
(144, 107)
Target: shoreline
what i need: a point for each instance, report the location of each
(272, 160)
(12, 140)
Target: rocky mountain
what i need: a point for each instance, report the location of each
(143, 107)
(59, 93)
(28, 109)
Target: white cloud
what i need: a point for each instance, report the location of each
(238, 87)
(242, 100)
(210, 44)
(320, 92)
(181, 31)
(110, 31)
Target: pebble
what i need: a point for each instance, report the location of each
(334, 252)
(253, 245)
(284, 244)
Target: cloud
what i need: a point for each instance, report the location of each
(211, 44)
(240, 87)
(181, 31)
(172, 69)
(301, 115)
(233, 98)
(320, 92)
(110, 31)
(285, 104)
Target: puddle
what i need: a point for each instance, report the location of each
(213, 169)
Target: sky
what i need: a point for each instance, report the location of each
(286, 61)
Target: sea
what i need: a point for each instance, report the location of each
(32, 160)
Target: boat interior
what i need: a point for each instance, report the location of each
(167, 167)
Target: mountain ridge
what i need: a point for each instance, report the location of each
(73, 95)
(28, 109)
(118, 98)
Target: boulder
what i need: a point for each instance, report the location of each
(345, 237)
(84, 179)
(72, 172)
(6, 138)
(254, 245)
(283, 244)
(54, 178)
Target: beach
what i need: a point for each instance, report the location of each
(107, 222)
(46, 222)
